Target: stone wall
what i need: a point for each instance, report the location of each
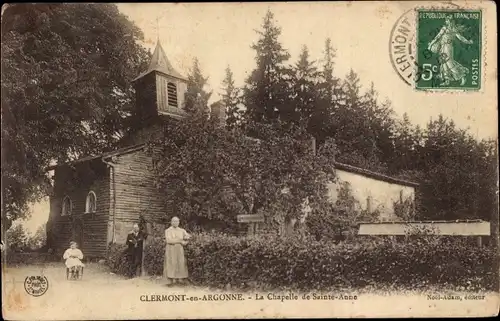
(382, 194)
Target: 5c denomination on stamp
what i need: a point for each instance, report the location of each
(448, 49)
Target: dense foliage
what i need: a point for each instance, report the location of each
(196, 96)
(117, 259)
(231, 100)
(219, 260)
(66, 86)
(334, 222)
(456, 171)
(20, 240)
(215, 174)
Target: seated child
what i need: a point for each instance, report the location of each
(73, 257)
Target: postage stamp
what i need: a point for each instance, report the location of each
(448, 49)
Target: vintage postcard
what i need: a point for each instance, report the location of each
(249, 160)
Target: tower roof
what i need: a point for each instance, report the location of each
(159, 62)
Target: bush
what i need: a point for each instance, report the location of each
(16, 258)
(154, 254)
(218, 260)
(334, 222)
(117, 259)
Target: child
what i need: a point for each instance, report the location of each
(73, 257)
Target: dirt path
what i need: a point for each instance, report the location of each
(101, 295)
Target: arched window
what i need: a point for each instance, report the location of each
(91, 203)
(67, 206)
(172, 95)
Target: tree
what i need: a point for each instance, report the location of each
(212, 174)
(230, 100)
(330, 83)
(190, 167)
(361, 125)
(331, 220)
(39, 239)
(266, 93)
(458, 173)
(66, 87)
(196, 95)
(323, 116)
(348, 121)
(377, 128)
(305, 95)
(352, 89)
(405, 139)
(17, 238)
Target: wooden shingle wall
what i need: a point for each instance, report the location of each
(88, 229)
(136, 194)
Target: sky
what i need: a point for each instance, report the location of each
(220, 35)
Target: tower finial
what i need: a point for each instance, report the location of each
(157, 29)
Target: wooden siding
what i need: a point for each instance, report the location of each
(143, 135)
(136, 193)
(76, 184)
(162, 93)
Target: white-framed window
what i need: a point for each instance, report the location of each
(91, 203)
(67, 206)
(172, 94)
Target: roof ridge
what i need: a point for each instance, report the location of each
(159, 62)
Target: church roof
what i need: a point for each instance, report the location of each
(121, 151)
(374, 175)
(337, 165)
(159, 62)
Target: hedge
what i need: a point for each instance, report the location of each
(15, 258)
(272, 262)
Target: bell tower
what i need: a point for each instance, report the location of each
(160, 89)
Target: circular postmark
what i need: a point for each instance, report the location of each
(36, 285)
(402, 46)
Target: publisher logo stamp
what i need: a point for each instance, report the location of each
(448, 49)
(36, 285)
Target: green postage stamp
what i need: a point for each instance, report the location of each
(448, 49)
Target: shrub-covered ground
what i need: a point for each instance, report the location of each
(269, 262)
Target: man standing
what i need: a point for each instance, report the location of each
(135, 240)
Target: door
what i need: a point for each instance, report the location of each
(77, 232)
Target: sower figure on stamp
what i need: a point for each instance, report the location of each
(175, 265)
(135, 241)
(449, 69)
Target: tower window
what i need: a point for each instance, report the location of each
(172, 94)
